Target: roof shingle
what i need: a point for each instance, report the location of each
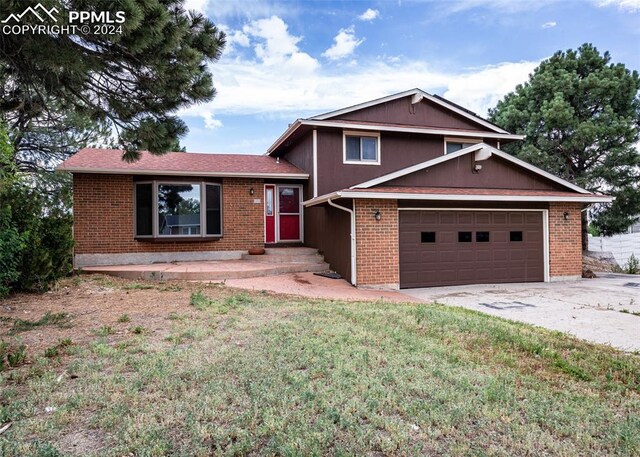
(91, 160)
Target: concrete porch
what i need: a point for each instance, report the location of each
(275, 261)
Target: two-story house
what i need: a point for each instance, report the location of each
(409, 190)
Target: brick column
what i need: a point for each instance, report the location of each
(377, 251)
(565, 245)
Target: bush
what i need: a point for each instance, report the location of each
(11, 245)
(36, 240)
(633, 265)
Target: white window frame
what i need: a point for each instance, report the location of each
(154, 210)
(376, 135)
(468, 141)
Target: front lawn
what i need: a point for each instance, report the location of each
(121, 368)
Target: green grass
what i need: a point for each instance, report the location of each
(59, 319)
(254, 374)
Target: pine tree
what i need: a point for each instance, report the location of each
(133, 81)
(580, 114)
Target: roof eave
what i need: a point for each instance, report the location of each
(183, 173)
(476, 197)
(282, 138)
(453, 197)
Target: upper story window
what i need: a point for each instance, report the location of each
(455, 144)
(185, 209)
(361, 148)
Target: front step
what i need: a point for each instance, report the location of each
(290, 251)
(275, 261)
(287, 255)
(183, 271)
(276, 258)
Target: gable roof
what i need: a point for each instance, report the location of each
(91, 160)
(480, 148)
(328, 120)
(417, 95)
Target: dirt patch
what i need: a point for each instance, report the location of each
(100, 306)
(80, 441)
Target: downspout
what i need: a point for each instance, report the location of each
(353, 238)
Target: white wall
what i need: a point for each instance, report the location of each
(621, 246)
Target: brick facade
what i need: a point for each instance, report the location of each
(103, 217)
(377, 248)
(565, 245)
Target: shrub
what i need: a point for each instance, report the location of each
(11, 245)
(124, 318)
(35, 238)
(633, 265)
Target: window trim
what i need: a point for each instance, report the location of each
(376, 135)
(155, 235)
(469, 141)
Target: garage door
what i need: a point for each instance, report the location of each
(442, 248)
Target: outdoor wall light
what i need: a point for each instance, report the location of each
(565, 215)
(477, 167)
(252, 191)
(377, 216)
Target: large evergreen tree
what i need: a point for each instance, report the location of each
(581, 117)
(133, 81)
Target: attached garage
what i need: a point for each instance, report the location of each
(454, 247)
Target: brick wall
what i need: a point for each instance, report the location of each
(103, 217)
(377, 243)
(565, 246)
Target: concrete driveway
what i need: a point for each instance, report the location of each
(598, 310)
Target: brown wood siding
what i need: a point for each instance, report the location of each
(398, 151)
(447, 261)
(328, 229)
(496, 173)
(401, 111)
(301, 155)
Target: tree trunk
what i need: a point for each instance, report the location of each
(585, 232)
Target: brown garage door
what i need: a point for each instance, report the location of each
(442, 248)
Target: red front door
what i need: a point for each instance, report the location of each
(288, 213)
(269, 214)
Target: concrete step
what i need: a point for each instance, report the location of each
(281, 258)
(203, 272)
(291, 251)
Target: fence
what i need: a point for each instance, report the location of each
(621, 246)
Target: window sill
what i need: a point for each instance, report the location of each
(360, 162)
(177, 239)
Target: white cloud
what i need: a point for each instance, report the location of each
(549, 25)
(280, 81)
(211, 122)
(626, 5)
(369, 15)
(198, 5)
(276, 46)
(345, 43)
(480, 89)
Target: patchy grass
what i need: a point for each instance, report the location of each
(49, 318)
(243, 373)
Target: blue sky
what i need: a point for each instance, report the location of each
(286, 60)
